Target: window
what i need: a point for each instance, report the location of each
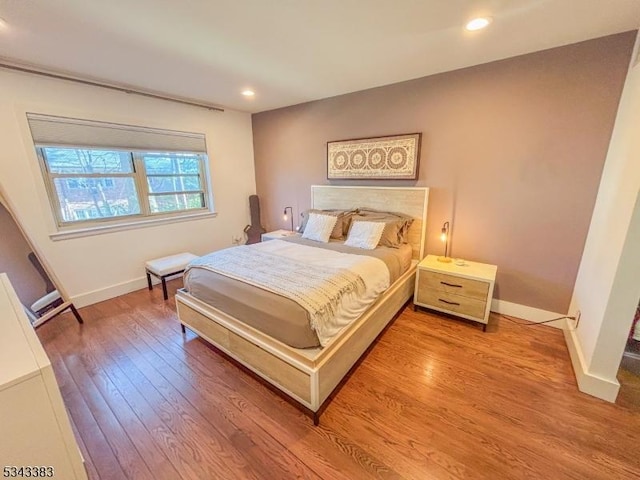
(89, 185)
(174, 182)
(108, 174)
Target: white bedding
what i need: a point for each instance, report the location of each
(294, 271)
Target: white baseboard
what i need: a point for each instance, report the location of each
(528, 313)
(112, 291)
(587, 382)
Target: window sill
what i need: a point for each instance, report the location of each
(152, 222)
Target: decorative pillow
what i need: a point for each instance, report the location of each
(341, 227)
(319, 227)
(396, 225)
(365, 234)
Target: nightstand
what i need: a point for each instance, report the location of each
(277, 234)
(465, 290)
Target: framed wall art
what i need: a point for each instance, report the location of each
(381, 158)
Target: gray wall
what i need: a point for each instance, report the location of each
(512, 151)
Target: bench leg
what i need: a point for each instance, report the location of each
(164, 288)
(149, 281)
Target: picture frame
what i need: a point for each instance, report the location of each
(395, 157)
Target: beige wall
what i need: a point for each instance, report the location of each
(512, 150)
(98, 267)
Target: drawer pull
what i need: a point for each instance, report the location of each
(451, 285)
(448, 303)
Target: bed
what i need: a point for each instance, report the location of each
(309, 375)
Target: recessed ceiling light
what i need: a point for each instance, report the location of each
(478, 23)
(248, 93)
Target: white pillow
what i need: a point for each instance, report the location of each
(365, 234)
(319, 227)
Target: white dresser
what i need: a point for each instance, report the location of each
(35, 429)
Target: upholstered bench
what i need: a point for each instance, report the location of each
(164, 267)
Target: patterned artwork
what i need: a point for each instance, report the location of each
(388, 158)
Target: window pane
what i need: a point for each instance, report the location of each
(172, 203)
(76, 182)
(183, 183)
(78, 160)
(171, 163)
(96, 197)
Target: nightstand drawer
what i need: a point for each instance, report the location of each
(453, 285)
(452, 303)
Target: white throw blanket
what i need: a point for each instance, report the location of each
(333, 287)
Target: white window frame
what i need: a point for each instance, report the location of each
(76, 228)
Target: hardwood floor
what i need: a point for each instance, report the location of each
(434, 399)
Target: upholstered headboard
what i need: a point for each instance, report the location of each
(412, 201)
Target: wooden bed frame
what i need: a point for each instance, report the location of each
(310, 375)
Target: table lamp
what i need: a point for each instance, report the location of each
(285, 216)
(444, 236)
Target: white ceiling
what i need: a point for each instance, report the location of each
(289, 51)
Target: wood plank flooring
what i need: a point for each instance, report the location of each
(434, 399)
